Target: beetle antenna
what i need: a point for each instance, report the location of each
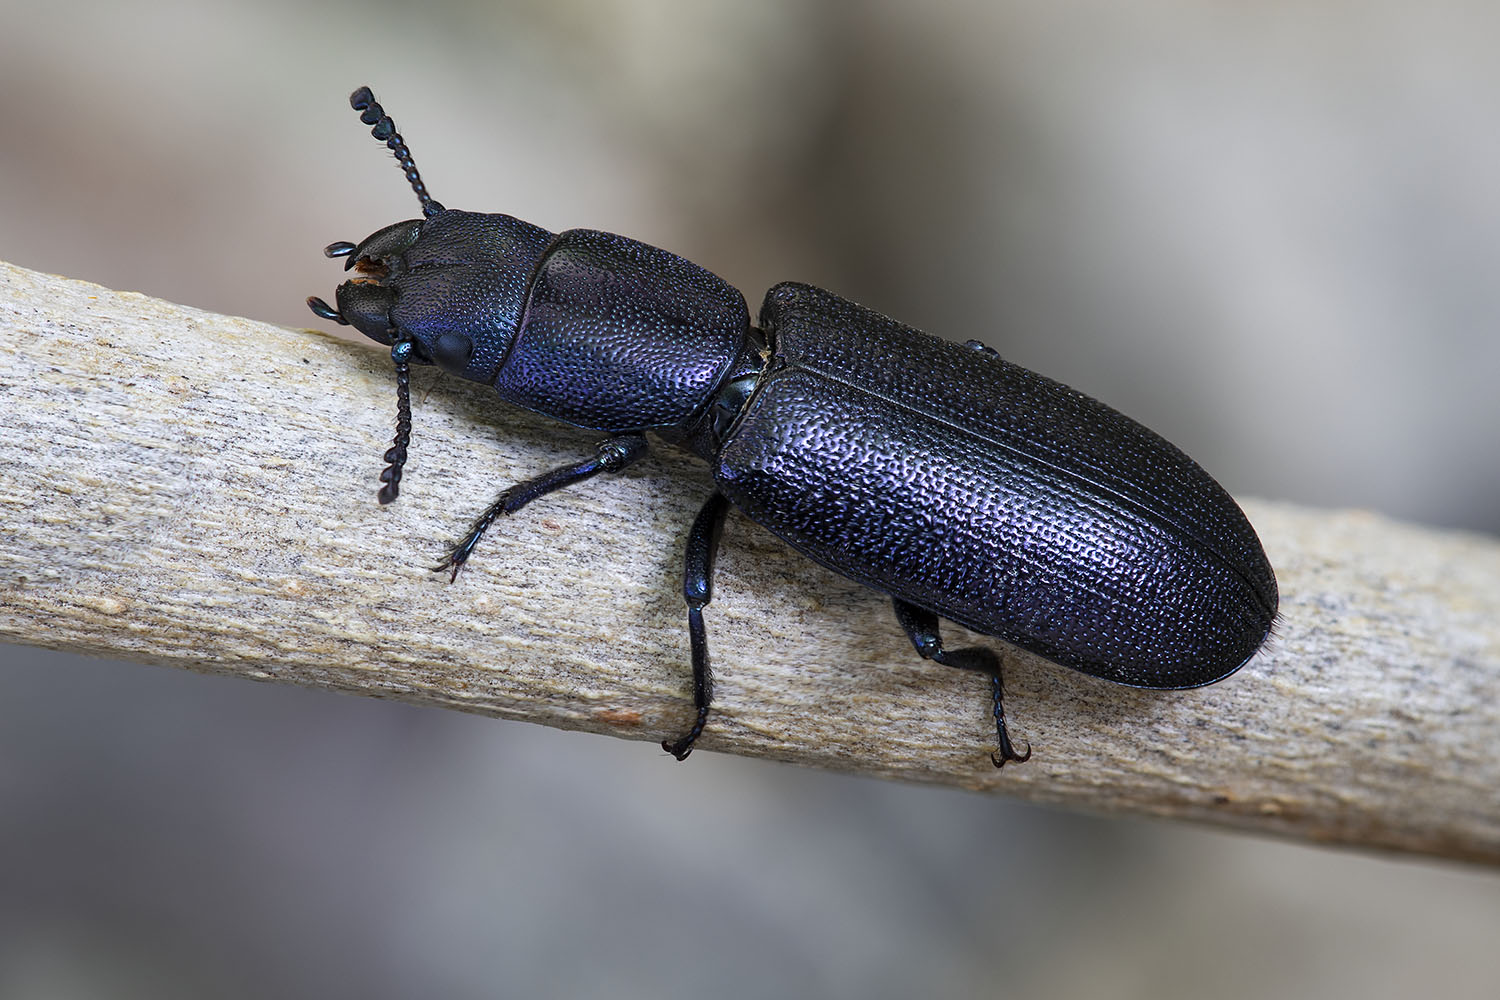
(384, 129)
(396, 455)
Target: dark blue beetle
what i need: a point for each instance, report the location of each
(963, 486)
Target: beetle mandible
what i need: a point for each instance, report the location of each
(963, 486)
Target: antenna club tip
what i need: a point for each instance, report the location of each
(384, 130)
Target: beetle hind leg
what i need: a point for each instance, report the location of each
(921, 627)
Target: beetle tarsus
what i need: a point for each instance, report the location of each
(921, 627)
(1006, 750)
(461, 552)
(682, 748)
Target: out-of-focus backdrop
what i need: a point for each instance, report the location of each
(1269, 231)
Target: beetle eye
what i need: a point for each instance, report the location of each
(452, 352)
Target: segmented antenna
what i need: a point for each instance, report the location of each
(396, 455)
(384, 129)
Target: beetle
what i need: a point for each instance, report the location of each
(963, 486)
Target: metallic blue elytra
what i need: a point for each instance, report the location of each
(995, 497)
(961, 485)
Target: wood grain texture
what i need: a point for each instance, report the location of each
(199, 490)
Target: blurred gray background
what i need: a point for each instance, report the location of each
(1268, 231)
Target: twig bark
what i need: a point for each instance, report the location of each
(198, 490)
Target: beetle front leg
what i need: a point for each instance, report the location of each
(613, 455)
(921, 627)
(698, 590)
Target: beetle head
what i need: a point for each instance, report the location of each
(447, 289)
(454, 286)
(366, 300)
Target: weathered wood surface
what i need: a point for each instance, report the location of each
(192, 489)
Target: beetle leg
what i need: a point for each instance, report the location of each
(613, 455)
(698, 590)
(921, 628)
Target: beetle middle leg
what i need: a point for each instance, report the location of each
(698, 590)
(613, 455)
(921, 628)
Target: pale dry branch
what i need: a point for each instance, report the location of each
(192, 489)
